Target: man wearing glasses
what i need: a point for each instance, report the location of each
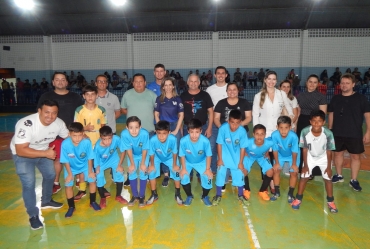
(346, 116)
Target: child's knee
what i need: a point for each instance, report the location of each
(269, 173)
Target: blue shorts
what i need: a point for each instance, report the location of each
(263, 162)
(236, 174)
(84, 171)
(200, 168)
(142, 175)
(100, 178)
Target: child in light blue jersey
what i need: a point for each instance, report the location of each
(231, 142)
(135, 140)
(257, 149)
(163, 153)
(106, 157)
(195, 153)
(77, 155)
(286, 154)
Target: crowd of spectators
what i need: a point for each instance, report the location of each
(28, 93)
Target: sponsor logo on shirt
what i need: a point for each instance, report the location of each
(21, 134)
(252, 153)
(201, 152)
(181, 105)
(104, 156)
(28, 123)
(83, 155)
(237, 141)
(289, 145)
(111, 151)
(45, 139)
(71, 155)
(140, 144)
(169, 150)
(188, 151)
(174, 102)
(108, 104)
(158, 151)
(228, 140)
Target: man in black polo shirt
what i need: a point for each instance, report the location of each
(346, 115)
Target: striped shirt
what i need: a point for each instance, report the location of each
(309, 101)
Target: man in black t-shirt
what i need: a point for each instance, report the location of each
(68, 102)
(197, 104)
(346, 114)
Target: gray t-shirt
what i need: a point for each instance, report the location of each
(111, 104)
(140, 105)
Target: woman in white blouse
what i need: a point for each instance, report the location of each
(269, 103)
(286, 86)
(267, 107)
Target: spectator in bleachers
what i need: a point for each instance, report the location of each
(348, 70)
(44, 84)
(335, 78)
(227, 80)
(367, 76)
(35, 91)
(322, 87)
(124, 78)
(80, 78)
(261, 75)
(6, 91)
(252, 79)
(209, 77)
(357, 75)
(181, 86)
(245, 79)
(190, 72)
(173, 74)
(203, 76)
(197, 73)
(337, 89)
(72, 78)
(115, 79)
(290, 76)
(27, 92)
(238, 77)
(167, 74)
(84, 83)
(324, 75)
(19, 86)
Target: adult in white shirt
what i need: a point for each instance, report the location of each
(286, 86)
(30, 149)
(217, 92)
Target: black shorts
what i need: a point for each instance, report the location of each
(352, 145)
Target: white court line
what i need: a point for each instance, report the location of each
(251, 228)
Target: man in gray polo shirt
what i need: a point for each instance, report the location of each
(107, 100)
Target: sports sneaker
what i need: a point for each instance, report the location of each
(70, 212)
(247, 194)
(290, 199)
(121, 200)
(243, 200)
(179, 199)
(95, 206)
(52, 204)
(216, 200)
(36, 223)
(264, 195)
(206, 201)
(141, 202)
(152, 199)
(337, 178)
(223, 190)
(103, 203)
(165, 181)
(274, 197)
(79, 195)
(296, 204)
(355, 185)
(188, 201)
(332, 207)
(56, 188)
(106, 193)
(126, 183)
(132, 201)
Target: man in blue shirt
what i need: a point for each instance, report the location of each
(159, 74)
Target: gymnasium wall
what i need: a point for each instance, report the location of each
(308, 51)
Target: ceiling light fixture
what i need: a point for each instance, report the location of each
(118, 2)
(25, 4)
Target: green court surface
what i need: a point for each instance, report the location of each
(263, 224)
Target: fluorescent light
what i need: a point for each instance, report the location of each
(118, 2)
(25, 4)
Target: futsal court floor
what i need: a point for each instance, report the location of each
(166, 225)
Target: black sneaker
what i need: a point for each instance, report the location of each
(132, 201)
(165, 181)
(355, 185)
(126, 183)
(52, 204)
(223, 188)
(141, 202)
(152, 199)
(36, 223)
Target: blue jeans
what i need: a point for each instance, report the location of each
(25, 168)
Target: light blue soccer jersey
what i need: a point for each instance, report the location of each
(107, 156)
(285, 146)
(255, 151)
(195, 152)
(231, 143)
(163, 152)
(76, 156)
(137, 144)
